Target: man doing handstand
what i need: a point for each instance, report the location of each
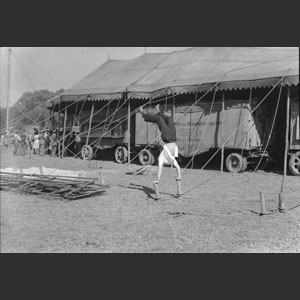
(169, 152)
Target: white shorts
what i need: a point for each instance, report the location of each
(168, 154)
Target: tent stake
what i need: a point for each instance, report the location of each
(156, 189)
(263, 204)
(101, 178)
(281, 206)
(179, 189)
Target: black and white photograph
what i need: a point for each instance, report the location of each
(149, 150)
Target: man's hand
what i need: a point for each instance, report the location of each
(157, 107)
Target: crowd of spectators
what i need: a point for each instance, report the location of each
(43, 142)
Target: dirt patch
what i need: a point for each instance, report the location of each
(219, 213)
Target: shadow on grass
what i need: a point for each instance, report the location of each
(148, 191)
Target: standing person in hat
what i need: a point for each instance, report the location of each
(28, 141)
(1, 141)
(42, 144)
(23, 145)
(16, 141)
(46, 138)
(36, 142)
(6, 140)
(169, 153)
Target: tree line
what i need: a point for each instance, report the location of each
(30, 109)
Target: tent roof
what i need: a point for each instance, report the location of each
(148, 75)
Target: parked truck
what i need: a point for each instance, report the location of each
(239, 125)
(294, 140)
(205, 127)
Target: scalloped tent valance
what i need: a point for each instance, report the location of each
(151, 74)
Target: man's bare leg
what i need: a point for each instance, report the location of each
(178, 179)
(176, 165)
(156, 182)
(159, 172)
(160, 167)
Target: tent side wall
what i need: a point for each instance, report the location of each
(108, 124)
(199, 129)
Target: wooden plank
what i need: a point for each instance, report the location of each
(84, 195)
(60, 190)
(49, 177)
(51, 187)
(78, 189)
(25, 185)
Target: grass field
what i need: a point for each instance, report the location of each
(218, 214)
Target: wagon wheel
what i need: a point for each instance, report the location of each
(87, 152)
(121, 155)
(146, 157)
(294, 163)
(245, 165)
(235, 163)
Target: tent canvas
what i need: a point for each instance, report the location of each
(153, 74)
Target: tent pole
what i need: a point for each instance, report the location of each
(222, 131)
(286, 137)
(58, 122)
(64, 132)
(90, 125)
(196, 97)
(8, 87)
(173, 108)
(128, 128)
(52, 119)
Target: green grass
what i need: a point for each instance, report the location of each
(219, 214)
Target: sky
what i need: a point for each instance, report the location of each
(53, 68)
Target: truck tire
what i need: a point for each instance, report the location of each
(245, 166)
(121, 155)
(87, 152)
(235, 163)
(146, 157)
(294, 163)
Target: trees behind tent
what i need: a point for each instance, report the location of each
(30, 109)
